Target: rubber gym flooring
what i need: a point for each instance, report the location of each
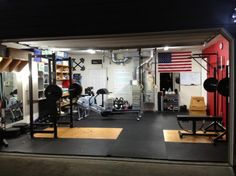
(138, 139)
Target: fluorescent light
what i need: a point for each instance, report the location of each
(28, 43)
(166, 48)
(91, 51)
(60, 49)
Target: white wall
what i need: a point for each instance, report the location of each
(117, 73)
(118, 76)
(187, 91)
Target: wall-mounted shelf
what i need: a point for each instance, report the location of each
(10, 64)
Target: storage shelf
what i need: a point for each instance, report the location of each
(65, 94)
(62, 74)
(9, 64)
(60, 65)
(64, 104)
(171, 102)
(62, 79)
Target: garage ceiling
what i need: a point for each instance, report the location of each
(144, 40)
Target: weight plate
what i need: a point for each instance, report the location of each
(210, 84)
(75, 90)
(53, 92)
(223, 87)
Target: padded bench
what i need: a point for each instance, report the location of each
(194, 120)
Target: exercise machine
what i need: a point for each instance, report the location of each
(211, 85)
(15, 107)
(195, 119)
(88, 103)
(53, 93)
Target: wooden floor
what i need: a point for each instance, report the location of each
(173, 136)
(84, 133)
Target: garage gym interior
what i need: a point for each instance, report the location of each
(150, 96)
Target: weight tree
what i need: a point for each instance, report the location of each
(51, 102)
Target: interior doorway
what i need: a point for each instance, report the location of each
(166, 81)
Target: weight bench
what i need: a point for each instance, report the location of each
(194, 119)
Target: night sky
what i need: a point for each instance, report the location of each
(42, 18)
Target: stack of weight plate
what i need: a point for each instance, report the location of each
(136, 97)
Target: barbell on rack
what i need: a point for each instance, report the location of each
(54, 92)
(75, 90)
(212, 84)
(223, 87)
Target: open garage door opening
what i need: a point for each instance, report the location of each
(155, 95)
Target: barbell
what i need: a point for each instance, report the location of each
(212, 85)
(54, 92)
(75, 90)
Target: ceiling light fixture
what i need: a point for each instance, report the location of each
(166, 48)
(60, 49)
(91, 51)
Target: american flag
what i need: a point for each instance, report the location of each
(175, 62)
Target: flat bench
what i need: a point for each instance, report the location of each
(196, 118)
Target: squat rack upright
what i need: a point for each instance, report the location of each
(52, 81)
